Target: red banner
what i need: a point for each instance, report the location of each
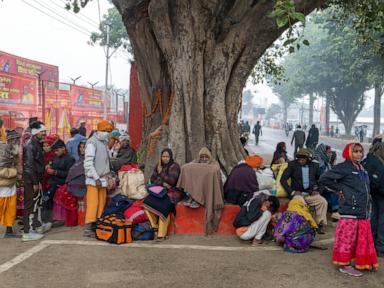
(21, 66)
(83, 97)
(15, 89)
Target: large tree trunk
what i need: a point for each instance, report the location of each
(311, 103)
(194, 58)
(377, 109)
(327, 114)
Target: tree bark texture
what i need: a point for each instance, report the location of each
(193, 60)
(311, 104)
(377, 109)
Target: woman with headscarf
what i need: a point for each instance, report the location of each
(280, 154)
(353, 237)
(374, 164)
(296, 228)
(242, 181)
(158, 210)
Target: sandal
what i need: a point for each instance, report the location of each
(349, 270)
(256, 242)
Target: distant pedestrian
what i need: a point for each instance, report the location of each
(313, 138)
(257, 131)
(361, 135)
(82, 129)
(337, 131)
(332, 131)
(299, 138)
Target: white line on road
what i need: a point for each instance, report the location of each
(23, 256)
(46, 243)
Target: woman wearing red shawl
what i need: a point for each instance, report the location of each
(353, 237)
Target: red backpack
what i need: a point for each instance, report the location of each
(135, 213)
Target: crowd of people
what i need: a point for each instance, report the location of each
(72, 182)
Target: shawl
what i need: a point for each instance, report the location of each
(279, 153)
(242, 178)
(321, 153)
(378, 151)
(203, 183)
(298, 205)
(205, 151)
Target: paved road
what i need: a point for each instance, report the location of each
(270, 137)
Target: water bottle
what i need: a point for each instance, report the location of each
(81, 213)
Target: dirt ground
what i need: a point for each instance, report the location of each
(65, 259)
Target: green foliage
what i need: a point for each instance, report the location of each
(118, 36)
(76, 5)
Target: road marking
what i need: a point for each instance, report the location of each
(22, 257)
(46, 243)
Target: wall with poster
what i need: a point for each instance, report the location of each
(83, 97)
(25, 67)
(16, 89)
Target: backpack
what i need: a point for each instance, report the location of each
(117, 205)
(135, 213)
(143, 231)
(113, 229)
(132, 184)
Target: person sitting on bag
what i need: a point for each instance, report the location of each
(158, 210)
(125, 153)
(304, 175)
(242, 181)
(58, 172)
(96, 167)
(253, 219)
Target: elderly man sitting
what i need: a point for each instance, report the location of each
(125, 153)
(304, 175)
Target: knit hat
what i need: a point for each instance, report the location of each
(50, 139)
(58, 144)
(115, 134)
(304, 153)
(254, 161)
(104, 126)
(37, 127)
(125, 137)
(12, 134)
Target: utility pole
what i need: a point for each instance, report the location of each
(41, 94)
(107, 56)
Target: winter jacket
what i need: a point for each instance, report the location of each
(61, 165)
(124, 156)
(344, 177)
(73, 144)
(96, 162)
(313, 137)
(250, 211)
(83, 131)
(299, 137)
(33, 161)
(294, 172)
(168, 175)
(375, 169)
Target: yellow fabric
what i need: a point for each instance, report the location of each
(95, 198)
(158, 223)
(299, 206)
(279, 169)
(8, 210)
(3, 135)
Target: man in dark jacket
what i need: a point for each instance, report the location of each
(374, 164)
(33, 170)
(299, 138)
(304, 175)
(58, 172)
(82, 129)
(257, 131)
(313, 138)
(125, 154)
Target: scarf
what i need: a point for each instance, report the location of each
(165, 167)
(347, 155)
(378, 151)
(321, 153)
(298, 205)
